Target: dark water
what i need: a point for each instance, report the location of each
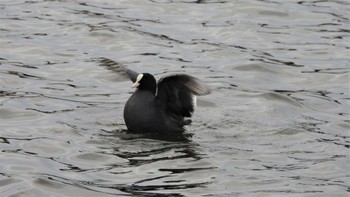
(276, 123)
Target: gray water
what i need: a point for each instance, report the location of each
(276, 123)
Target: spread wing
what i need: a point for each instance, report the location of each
(176, 94)
(119, 68)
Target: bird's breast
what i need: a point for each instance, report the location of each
(140, 112)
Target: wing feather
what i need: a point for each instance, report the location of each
(119, 69)
(176, 94)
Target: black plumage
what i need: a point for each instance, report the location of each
(161, 107)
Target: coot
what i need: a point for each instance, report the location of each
(162, 107)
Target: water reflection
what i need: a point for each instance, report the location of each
(146, 166)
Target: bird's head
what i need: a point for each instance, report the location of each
(146, 82)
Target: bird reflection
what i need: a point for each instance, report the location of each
(147, 153)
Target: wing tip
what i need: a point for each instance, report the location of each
(118, 67)
(197, 86)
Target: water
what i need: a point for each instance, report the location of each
(276, 123)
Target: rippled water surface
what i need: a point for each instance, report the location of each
(276, 123)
